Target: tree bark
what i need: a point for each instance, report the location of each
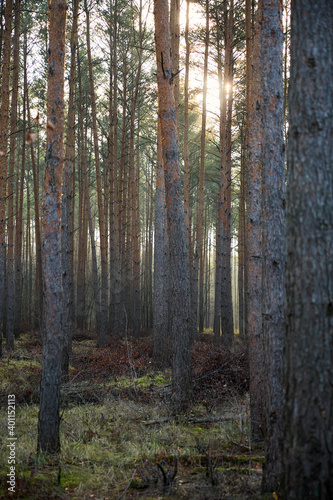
(175, 38)
(67, 230)
(161, 265)
(4, 118)
(19, 218)
(199, 267)
(11, 174)
(226, 291)
(181, 360)
(220, 202)
(254, 237)
(273, 229)
(308, 356)
(48, 418)
(104, 267)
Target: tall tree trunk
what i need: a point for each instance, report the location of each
(48, 418)
(67, 231)
(308, 375)
(187, 182)
(115, 281)
(135, 229)
(87, 205)
(82, 241)
(221, 200)
(273, 249)
(181, 359)
(102, 225)
(39, 268)
(4, 112)
(199, 267)
(175, 38)
(241, 243)
(226, 292)
(254, 250)
(19, 217)
(122, 199)
(10, 196)
(161, 265)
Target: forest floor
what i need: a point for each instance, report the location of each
(119, 438)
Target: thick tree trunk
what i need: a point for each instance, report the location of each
(161, 265)
(308, 375)
(4, 111)
(48, 418)
(181, 359)
(254, 251)
(175, 38)
(273, 244)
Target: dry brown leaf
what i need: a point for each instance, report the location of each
(50, 125)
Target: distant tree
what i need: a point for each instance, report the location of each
(11, 181)
(101, 215)
(179, 269)
(308, 412)
(48, 418)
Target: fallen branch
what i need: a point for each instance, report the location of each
(129, 484)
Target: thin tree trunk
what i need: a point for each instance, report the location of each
(104, 267)
(226, 299)
(67, 230)
(221, 200)
(10, 195)
(187, 181)
(4, 118)
(82, 243)
(135, 229)
(241, 244)
(308, 355)
(273, 245)
(48, 418)
(199, 267)
(39, 268)
(87, 205)
(19, 217)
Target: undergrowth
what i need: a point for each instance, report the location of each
(118, 435)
